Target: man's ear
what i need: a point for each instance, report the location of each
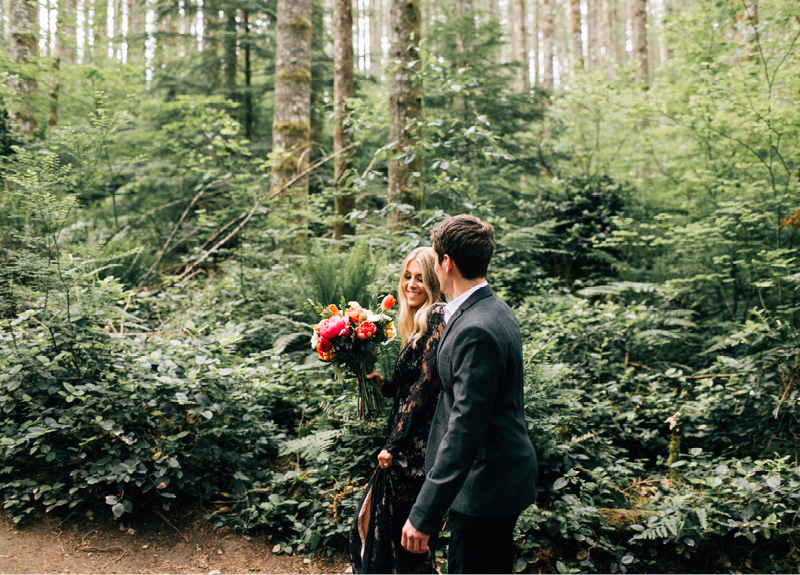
(447, 263)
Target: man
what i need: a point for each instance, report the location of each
(481, 464)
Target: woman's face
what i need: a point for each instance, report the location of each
(412, 285)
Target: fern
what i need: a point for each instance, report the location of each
(311, 446)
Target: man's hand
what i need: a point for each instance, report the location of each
(413, 540)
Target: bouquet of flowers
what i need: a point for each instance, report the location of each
(348, 336)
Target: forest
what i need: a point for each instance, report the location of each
(181, 177)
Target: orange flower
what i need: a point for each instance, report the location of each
(388, 302)
(334, 309)
(353, 313)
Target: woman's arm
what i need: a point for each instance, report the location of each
(424, 388)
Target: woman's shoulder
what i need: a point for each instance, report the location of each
(436, 310)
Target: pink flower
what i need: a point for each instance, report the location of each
(366, 330)
(388, 302)
(332, 327)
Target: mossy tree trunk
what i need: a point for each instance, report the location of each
(23, 48)
(639, 28)
(575, 35)
(535, 10)
(519, 44)
(230, 53)
(593, 40)
(548, 17)
(342, 90)
(375, 50)
(405, 103)
(248, 80)
(292, 120)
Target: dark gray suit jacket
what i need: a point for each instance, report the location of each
(479, 459)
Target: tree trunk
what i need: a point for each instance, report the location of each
(375, 34)
(519, 41)
(405, 102)
(291, 126)
(666, 15)
(463, 7)
(66, 38)
(231, 60)
(576, 43)
(116, 43)
(547, 43)
(248, 76)
(211, 29)
(536, 10)
(639, 26)
(23, 47)
(136, 31)
(344, 203)
(611, 38)
(52, 115)
(593, 33)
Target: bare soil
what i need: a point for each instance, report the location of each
(154, 544)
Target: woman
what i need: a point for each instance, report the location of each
(391, 492)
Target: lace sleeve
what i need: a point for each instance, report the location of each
(423, 389)
(389, 388)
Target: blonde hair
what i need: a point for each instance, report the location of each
(412, 325)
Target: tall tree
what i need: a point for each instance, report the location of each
(291, 126)
(611, 38)
(405, 101)
(23, 48)
(639, 28)
(593, 40)
(576, 39)
(231, 59)
(548, 18)
(535, 11)
(344, 203)
(375, 33)
(248, 79)
(519, 42)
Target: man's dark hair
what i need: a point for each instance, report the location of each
(469, 243)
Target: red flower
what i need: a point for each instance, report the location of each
(325, 349)
(366, 330)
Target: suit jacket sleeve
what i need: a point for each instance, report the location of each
(477, 362)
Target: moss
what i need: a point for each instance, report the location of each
(301, 26)
(287, 163)
(301, 76)
(295, 130)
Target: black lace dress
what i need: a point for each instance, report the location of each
(391, 492)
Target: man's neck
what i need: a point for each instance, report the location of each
(462, 286)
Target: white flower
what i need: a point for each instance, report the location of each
(373, 317)
(314, 340)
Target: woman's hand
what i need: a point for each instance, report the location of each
(384, 459)
(377, 379)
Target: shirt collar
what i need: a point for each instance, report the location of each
(453, 306)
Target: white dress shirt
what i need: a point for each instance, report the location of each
(453, 306)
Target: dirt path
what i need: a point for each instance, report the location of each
(47, 544)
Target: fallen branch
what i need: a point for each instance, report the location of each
(171, 525)
(174, 231)
(99, 550)
(257, 205)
